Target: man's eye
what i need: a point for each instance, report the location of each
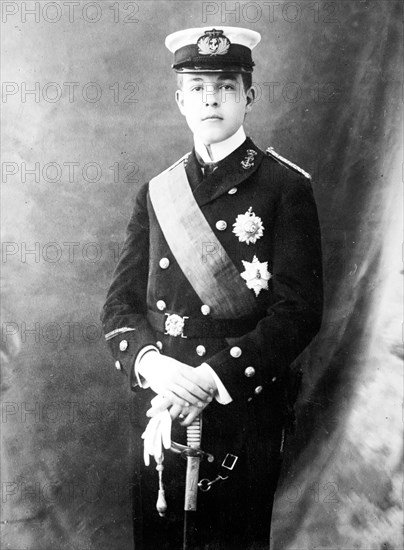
(228, 87)
(196, 88)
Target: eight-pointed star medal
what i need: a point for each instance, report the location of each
(256, 275)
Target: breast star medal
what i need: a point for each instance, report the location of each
(256, 275)
(248, 227)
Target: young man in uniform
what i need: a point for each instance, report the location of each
(217, 291)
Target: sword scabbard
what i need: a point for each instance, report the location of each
(192, 478)
(192, 474)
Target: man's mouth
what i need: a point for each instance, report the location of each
(212, 117)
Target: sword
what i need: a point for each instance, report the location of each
(194, 434)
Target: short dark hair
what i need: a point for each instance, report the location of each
(246, 78)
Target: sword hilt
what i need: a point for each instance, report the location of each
(194, 433)
(192, 475)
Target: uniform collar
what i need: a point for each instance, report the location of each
(233, 170)
(219, 151)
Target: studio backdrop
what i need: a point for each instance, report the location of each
(88, 115)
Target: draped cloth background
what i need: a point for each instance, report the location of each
(329, 78)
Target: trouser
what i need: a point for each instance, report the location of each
(234, 515)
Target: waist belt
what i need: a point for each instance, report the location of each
(186, 327)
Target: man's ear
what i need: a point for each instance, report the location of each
(179, 98)
(250, 95)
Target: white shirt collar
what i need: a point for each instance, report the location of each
(219, 151)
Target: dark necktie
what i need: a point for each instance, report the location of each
(208, 168)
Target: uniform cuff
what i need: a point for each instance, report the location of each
(141, 380)
(223, 397)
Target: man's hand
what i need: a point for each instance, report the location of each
(179, 383)
(186, 414)
(190, 412)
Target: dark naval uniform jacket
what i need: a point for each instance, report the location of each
(251, 355)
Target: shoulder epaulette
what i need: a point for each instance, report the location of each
(285, 162)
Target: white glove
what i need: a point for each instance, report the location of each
(180, 383)
(157, 434)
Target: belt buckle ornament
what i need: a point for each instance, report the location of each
(174, 325)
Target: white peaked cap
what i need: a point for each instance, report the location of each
(236, 35)
(213, 49)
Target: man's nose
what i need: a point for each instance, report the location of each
(212, 95)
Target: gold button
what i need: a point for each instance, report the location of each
(249, 372)
(273, 379)
(118, 365)
(159, 345)
(201, 350)
(123, 345)
(235, 352)
(232, 191)
(258, 390)
(164, 263)
(205, 309)
(161, 305)
(221, 225)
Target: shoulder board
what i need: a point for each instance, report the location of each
(285, 162)
(182, 159)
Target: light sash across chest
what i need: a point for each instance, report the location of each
(196, 248)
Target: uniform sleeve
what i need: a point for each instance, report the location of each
(124, 313)
(262, 357)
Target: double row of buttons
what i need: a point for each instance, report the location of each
(161, 305)
(221, 225)
(200, 350)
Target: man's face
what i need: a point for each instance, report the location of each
(214, 104)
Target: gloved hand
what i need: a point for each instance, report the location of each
(157, 434)
(189, 413)
(181, 384)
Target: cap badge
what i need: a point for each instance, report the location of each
(248, 162)
(213, 42)
(256, 275)
(248, 227)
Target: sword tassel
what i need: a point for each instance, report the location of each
(161, 504)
